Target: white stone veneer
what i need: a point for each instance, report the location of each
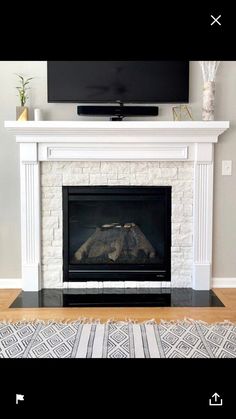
(179, 175)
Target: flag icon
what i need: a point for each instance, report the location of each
(19, 398)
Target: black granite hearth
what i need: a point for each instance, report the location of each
(117, 297)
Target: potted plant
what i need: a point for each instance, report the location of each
(22, 110)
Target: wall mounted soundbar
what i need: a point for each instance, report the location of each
(117, 112)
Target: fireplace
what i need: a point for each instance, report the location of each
(116, 233)
(57, 154)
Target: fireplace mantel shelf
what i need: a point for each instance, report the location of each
(183, 141)
(110, 131)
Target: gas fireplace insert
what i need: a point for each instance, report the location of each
(113, 233)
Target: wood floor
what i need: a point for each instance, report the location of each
(211, 315)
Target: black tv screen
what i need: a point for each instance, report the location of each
(118, 81)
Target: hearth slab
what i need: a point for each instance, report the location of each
(117, 297)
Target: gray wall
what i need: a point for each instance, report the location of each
(224, 260)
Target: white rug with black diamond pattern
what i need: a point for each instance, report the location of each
(183, 339)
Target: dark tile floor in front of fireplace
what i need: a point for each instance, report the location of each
(117, 297)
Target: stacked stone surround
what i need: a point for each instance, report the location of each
(179, 175)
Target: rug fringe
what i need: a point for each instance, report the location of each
(86, 320)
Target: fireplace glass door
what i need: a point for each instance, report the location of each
(116, 233)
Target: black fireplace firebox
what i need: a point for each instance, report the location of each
(116, 233)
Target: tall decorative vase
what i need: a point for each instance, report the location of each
(208, 103)
(22, 113)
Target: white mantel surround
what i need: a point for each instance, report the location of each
(183, 141)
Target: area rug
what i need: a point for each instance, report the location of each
(80, 339)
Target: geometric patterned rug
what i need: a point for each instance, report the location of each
(182, 339)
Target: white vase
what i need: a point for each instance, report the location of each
(37, 114)
(208, 102)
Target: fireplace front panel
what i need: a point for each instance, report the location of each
(116, 233)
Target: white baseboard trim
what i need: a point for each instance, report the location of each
(223, 282)
(10, 283)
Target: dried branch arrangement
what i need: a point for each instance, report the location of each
(209, 70)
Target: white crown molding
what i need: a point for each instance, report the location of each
(103, 131)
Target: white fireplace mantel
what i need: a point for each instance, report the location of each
(116, 141)
(124, 128)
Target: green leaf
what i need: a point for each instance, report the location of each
(18, 75)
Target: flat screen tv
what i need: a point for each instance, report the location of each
(118, 81)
